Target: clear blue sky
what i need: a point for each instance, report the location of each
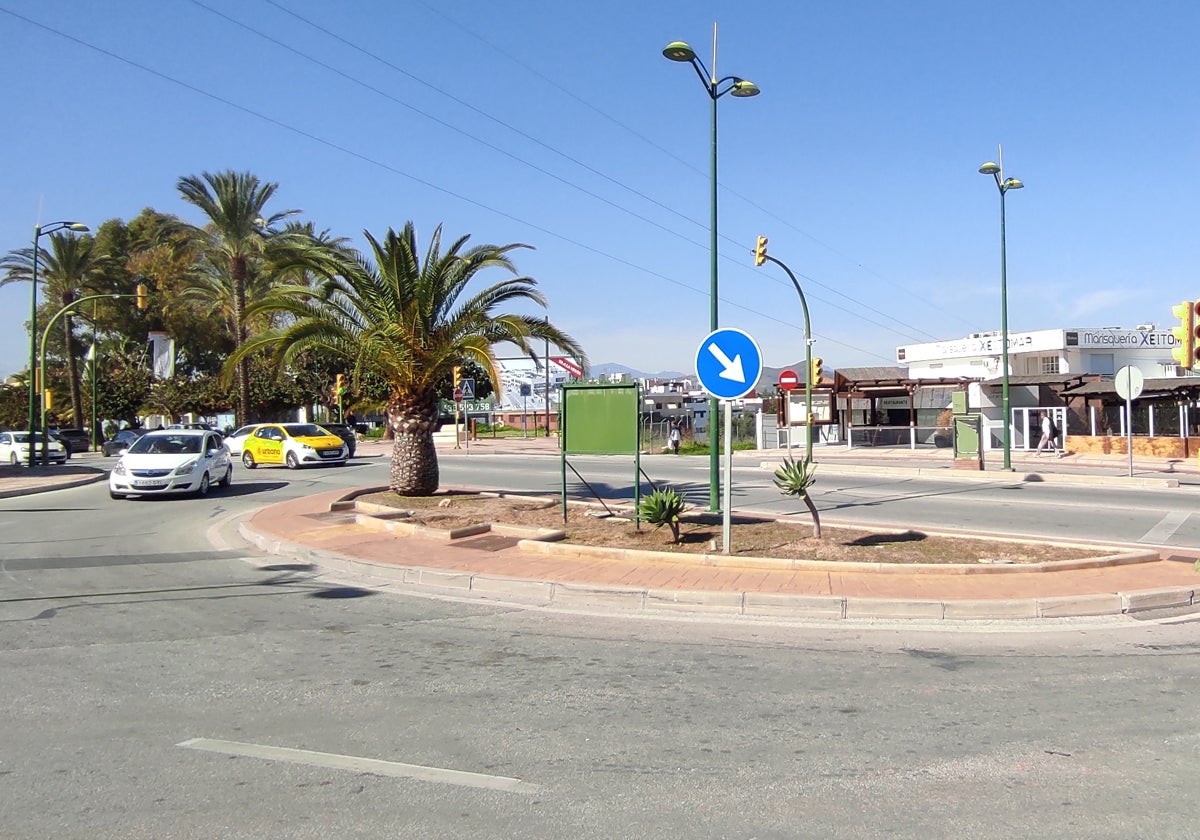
(561, 125)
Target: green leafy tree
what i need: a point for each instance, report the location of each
(241, 253)
(408, 319)
(65, 269)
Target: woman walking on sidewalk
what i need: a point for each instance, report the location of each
(1049, 436)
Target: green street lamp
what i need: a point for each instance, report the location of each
(716, 88)
(996, 170)
(45, 432)
(38, 230)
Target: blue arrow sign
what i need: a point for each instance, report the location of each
(728, 363)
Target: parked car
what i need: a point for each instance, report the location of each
(170, 461)
(293, 444)
(14, 449)
(204, 427)
(121, 440)
(236, 439)
(76, 440)
(346, 432)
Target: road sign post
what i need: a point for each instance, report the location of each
(788, 382)
(728, 364)
(1129, 381)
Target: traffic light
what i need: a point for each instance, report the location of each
(457, 376)
(340, 387)
(1185, 333)
(760, 250)
(814, 369)
(48, 398)
(143, 295)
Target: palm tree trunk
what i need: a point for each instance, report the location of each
(72, 373)
(242, 370)
(816, 517)
(414, 471)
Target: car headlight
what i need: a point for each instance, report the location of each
(119, 468)
(186, 467)
(306, 446)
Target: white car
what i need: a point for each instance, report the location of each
(14, 449)
(237, 439)
(169, 462)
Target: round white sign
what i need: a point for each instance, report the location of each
(1129, 382)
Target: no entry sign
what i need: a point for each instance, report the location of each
(788, 380)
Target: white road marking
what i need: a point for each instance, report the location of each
(1166, 528)
(358, 764)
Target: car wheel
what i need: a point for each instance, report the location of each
(293, 462)
(228, 479)
(248, 461)
(202, 490)
(13, 459)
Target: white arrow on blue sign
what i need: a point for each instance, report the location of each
(728, 363)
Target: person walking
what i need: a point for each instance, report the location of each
(1049, 436)
(674, 437)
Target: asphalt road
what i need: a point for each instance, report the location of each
(156, 686)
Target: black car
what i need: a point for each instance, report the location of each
(122, 440)
(75, 440)
(346, 432)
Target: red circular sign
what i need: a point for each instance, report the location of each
(788, 380)
(458, 395)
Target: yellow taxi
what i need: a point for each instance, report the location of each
(294, 444)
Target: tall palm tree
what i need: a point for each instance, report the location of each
(235, 250)
(66, 269)
(409, 320)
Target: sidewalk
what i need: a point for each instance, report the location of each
(320, 530)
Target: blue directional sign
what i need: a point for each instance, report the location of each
(728, 363)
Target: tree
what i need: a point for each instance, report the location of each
(65, 270)
(239, 251)
(409, 320)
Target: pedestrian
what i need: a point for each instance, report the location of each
(1049, 436)
(674, 437)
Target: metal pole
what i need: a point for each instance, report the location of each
(725, 527)
(547, 362)
(34, 396)
(714, 486)
(95, 360)
(808, 436)
(1004, 341)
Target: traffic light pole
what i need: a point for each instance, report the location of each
(761, 254)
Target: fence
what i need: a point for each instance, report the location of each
(899, 437)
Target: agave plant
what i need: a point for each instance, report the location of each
(794, 478)
(663, 507)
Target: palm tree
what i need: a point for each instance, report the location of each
(409, 321)
(239, 250)
(66, 270)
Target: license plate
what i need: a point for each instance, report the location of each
(148, 483)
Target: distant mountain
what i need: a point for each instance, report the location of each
(609, 368)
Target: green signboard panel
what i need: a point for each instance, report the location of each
(600, 418)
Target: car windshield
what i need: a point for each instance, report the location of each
(245, 430)
(166, 445)
(304, 430)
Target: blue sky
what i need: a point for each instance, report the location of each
(560, 125)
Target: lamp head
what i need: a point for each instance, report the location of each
(743, 87)
(78, 227)
(989, 168)
(1012, 184)
(679, 51)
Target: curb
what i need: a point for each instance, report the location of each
(91, 477)
(648, 601)
(1017, 476)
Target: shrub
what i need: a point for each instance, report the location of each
(663, 507)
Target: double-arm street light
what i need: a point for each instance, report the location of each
(716, 88)
(38, 230)
(996, 170)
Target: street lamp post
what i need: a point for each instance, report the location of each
(716, 88)
(38, 230)
(996, 170)
(42, 360)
